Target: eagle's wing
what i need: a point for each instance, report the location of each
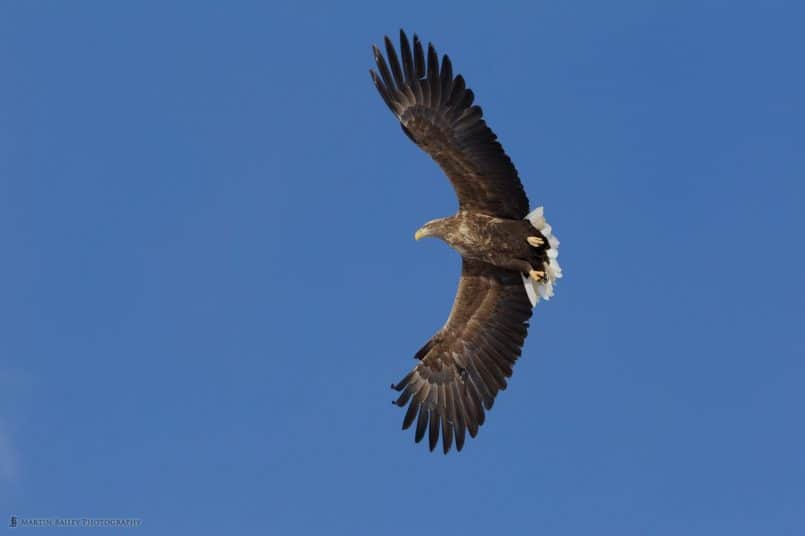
(435, 110)
(464, 365)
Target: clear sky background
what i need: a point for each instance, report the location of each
(208, 276)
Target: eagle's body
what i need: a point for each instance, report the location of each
(509, 255)
(497, 241)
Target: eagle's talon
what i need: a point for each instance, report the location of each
(536, 275)
(535, 241)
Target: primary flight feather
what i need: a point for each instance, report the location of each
(509, 256)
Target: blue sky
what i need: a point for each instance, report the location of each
(209, 277)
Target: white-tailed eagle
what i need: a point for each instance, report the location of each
(509, 255)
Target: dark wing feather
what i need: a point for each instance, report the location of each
(464, 365)
(435, 110)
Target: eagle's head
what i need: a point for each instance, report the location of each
(437, 228)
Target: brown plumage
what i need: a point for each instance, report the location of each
(464, 365)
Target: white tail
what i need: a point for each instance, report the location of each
(544, 287)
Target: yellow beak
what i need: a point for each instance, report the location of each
(419, 234)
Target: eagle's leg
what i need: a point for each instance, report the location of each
(535, 241)
(524, 267)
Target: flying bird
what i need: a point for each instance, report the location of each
(509, 255)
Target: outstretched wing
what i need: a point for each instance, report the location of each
(464, 365)
(435, 110)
